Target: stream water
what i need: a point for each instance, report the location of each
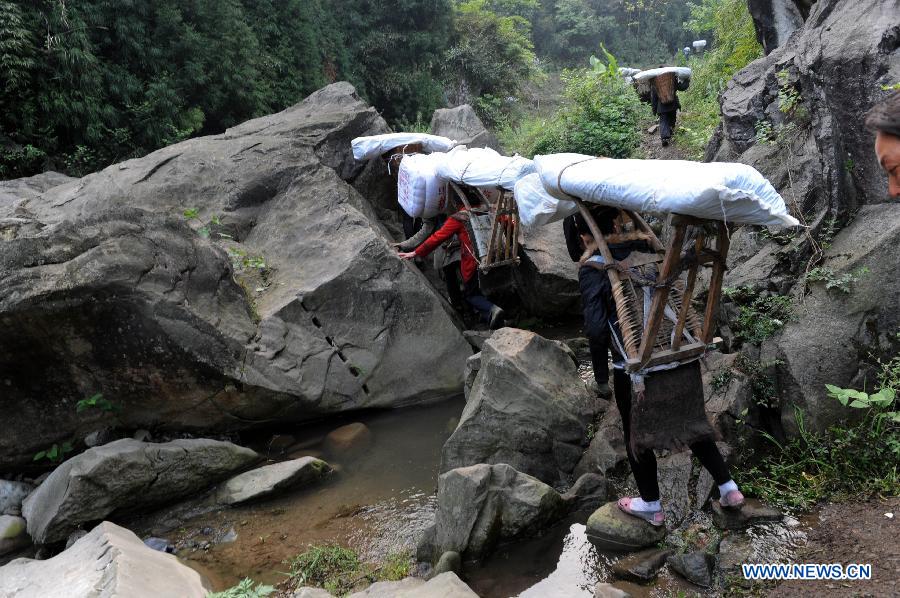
(380, 499)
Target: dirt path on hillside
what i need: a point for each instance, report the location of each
(653, 148)
(852, 532)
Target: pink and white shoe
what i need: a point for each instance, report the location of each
(654, 518)
(732, 500)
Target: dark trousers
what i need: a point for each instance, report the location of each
(477, 300)
(451, 278)
(666, 124)
(599, 358)
(643, 466)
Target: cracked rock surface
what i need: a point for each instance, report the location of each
(215, 284)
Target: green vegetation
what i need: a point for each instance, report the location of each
(90, 83)
(602, 117)
(833, 282)
(340, 570)
(245, 589)
(96, 402)
(734, 46)
(759, 316)
(55, 454)
(858, 457)
(762, 384)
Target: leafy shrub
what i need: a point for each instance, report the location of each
(833, 282)
(848, 460)
(734, 46)
(96, 402)
(759, 317)
(55, 454)
(602, 116)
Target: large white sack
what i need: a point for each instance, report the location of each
(421, 193)
(365, 148)
(681, 71)
(483, 167)
(725, 191)
(536, 206)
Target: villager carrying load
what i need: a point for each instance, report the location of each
(665, 82)
(637, 293)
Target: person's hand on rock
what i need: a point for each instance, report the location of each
(408, 255)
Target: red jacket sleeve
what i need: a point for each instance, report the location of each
(450, 228)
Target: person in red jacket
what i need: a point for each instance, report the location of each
(468, 265)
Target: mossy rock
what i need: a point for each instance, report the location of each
(608, 528)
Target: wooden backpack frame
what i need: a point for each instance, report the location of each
(648, 345)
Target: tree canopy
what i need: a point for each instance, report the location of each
(89, 83)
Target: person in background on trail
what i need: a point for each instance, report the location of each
(601, 327)
(446, 257)
(884, 121)
(666, 110)
(468, 265)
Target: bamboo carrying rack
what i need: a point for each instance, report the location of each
(650, 339)
(495, 230)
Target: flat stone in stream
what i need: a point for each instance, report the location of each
(607, 590)
(12, 534)
(641, 566)
(696, 567)
(271, 479)
(751, 513)
(445, 585)
(608, 528)
(347, 439)
(312, 593)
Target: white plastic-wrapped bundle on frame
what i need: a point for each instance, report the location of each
(483, 167)
(536, 206)
(421, 193)
(730, 192)
(366, 148)
(682, 72)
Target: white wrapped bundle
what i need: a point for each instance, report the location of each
(681, 71)
(536, 206)
(421, 193)
(366, 148)
(725, 191)
(483, 167)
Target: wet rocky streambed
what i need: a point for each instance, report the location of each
(381, 498)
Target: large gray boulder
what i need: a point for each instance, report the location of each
(481, 505)
(462, 125)
(527, 408)
(125, 476)
(547, 278)
(823, 164)
(836, 337)
(294, 307)
(109, 562)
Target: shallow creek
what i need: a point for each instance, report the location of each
(380, 499)
(377, 501)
